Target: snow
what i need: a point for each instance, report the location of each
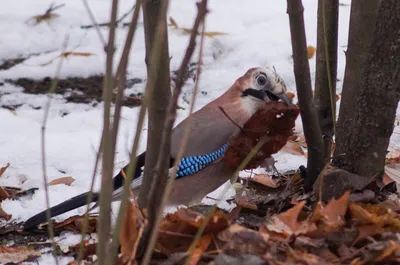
(257, 35)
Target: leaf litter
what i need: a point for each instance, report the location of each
(274, 222)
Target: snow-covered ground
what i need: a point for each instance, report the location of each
(257, 35)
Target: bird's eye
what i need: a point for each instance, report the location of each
(261, 80)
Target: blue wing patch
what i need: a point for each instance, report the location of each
(193, 164)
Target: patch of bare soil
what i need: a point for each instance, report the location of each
(76, 89)
(7, 64)
(34, 240)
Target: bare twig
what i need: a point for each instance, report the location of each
(88, 202)
(160, 185)
(128, 180)
(108, 149)
(107, 24)
(46, 16)
(121, 77)
(43, 149)
(229, 118)
(326, 70)
(53, 8)
(92, 18)
(308, 111)
(121, 71)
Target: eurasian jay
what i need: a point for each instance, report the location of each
(200, 170)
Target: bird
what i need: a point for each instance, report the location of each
(201, 170)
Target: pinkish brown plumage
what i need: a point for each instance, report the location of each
(209, 131)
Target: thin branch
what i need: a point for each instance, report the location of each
(88, 202)
(107, 24)
(128, 180)
(43, 149)
(52, 8)
(326, 70)
(92, 18)
(121, 77)
(308, 111)
(121, 71)
(229, 118)
(160, 173)
(329, 71)
(108, 153)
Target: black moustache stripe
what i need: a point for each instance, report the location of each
(254, 93)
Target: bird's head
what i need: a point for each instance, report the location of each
(260, 85)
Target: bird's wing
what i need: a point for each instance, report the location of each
(209, 130)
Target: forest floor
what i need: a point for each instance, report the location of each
(274, 220)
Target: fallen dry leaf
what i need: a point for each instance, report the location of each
(83, 54)
(88, 249)
(302, 257)
(3, 194)
(4, 215)
(75, 224)
(333, 214)
(365, 231)
(311, 51)
(16, 255)
(377, 252)
(375, 214)
(293, 148)
(227, 234)
(287, 223)
(3, 169)
(35, 20)
(331, 258)
(244, 202)
(245, 241)
(265, 179)
(178, 229)
(188, 31)
(201, 247)
(63, 180)
(393, 157)
(302, 141)
(129, 233)
(362, 215)
(218, 221)
(173, 22)
(387, 252)
(74, 262)
(16, 193)
(66, 55)
(290, 95)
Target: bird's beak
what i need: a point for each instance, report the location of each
(275, 96)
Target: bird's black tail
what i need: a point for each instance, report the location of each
(61, 208)
(80, 200)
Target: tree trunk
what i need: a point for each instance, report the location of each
(154, 12)
(365, 129)
(363, 18)
(326, 70)
(308, 112)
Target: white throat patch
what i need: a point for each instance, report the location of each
(251, 104)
